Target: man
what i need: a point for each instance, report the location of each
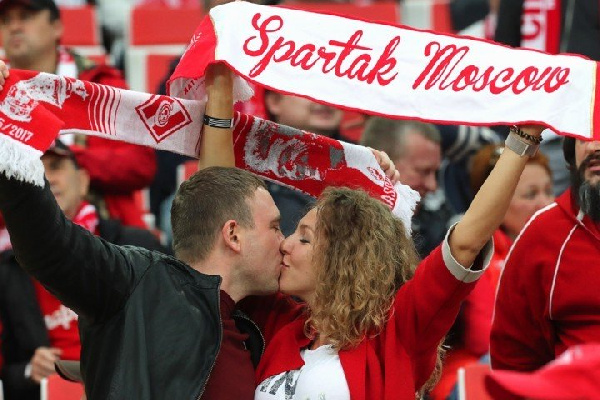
(31, 31)
(548, 298)
(38, 329)
(415, 149)
(153, 326)
(304, 114)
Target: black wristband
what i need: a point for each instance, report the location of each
(533, 139)
(218, 122)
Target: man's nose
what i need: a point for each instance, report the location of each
(283, 245)
(592, 146)
(431, 183)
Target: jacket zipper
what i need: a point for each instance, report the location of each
(243, 316)
(218, 347)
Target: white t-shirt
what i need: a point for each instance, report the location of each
(321, 378)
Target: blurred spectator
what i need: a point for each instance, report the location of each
(548, 297)
(567, 26)
(31, 31)
(416, 150)
(542, 25)
(459, 144)
(575, 375)
(38, 329)
(464, 13)
(469, 338)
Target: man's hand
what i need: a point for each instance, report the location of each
(42, 363)
(386, 164)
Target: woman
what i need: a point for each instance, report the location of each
(470, 336)
(369, 329)
(533, 192)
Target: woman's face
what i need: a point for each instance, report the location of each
(533, 192)
(298, 276)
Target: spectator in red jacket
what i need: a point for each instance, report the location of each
(31, 32)
(548, 298)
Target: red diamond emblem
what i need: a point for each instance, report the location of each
(163, 116)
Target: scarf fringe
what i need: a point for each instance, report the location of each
(406, 204)
(21, 162)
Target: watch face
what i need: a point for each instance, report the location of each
(520, 147)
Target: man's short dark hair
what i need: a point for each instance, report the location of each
(204, 203)
(389, 135)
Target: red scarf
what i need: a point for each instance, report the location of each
(60, 320)
(35, 106)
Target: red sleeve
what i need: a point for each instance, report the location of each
(115, 167)
(428, 305)
(477, 312)
(521, 337)
(429, 302)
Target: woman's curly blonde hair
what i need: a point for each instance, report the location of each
(363, 255)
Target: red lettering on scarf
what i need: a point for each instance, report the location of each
(445, 60)
(346, 59)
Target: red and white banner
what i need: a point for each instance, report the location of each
(392, 71)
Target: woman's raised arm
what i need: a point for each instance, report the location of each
(487, 210)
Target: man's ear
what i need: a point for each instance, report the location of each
(231, 235)
(58, 29)
(84, 182)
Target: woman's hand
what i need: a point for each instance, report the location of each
(3, 74)
(386, 164)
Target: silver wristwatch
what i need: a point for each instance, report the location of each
(520, 147)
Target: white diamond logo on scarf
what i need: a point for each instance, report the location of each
(163, 116)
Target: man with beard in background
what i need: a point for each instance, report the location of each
(548, 297)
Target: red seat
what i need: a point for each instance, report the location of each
(82, 33)
(384, 11)
(157, 35)
(56, 388)
(80, 27)
(152, 25)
